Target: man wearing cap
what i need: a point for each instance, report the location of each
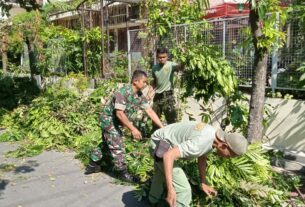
(188, 140)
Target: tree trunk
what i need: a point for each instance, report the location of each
(4, 54)
(32, 58)
(255, 126)
(4, 61)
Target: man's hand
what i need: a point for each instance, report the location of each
(125, 121)
(208, 190)
(171, 197)
(136, 133)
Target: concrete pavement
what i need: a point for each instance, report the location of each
(57, 179)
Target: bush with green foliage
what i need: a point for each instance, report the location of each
(58, 119)
(54, 49)
(243, 181)
(16, 91)
(68, 119)
(68, 45)
(206, 73)
(62, 119)
(119, 65)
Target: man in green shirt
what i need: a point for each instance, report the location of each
(188, 140)
(163, 78)
(124, 103)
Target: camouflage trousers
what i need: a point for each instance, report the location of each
(164, 104)
(111, 149)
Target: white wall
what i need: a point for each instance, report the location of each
(235, 1)
(219, 2)
(216, 2)
(286, 129)
(287, 126)
(2, 17)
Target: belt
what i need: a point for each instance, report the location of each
(165, 93)
(161, 148)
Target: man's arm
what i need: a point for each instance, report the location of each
(168, 161)
(154, 117)
(202, 164)
(179, 67)
(152, 88)
(150, 92)
(125, 121)
(153, 83)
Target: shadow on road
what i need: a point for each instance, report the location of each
(3, 184)
(27, 167)
(130, 201)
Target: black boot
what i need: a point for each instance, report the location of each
(92, 167)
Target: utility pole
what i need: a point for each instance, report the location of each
(108, 35)
(102, 32)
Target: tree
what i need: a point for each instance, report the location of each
(264, 37)
(28, 27)
(28, 5)
(3, 52)
(4, 45)
(206, 73)
(255, 128)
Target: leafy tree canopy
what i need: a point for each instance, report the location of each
(28, 5)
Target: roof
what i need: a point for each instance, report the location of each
(227, 10)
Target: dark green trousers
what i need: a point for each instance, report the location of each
(164, 104)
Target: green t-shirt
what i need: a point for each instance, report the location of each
(193, 139)
(164, 76)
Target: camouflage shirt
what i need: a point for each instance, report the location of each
(126, 100)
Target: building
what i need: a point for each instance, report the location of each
(16, 9)
(231, 8)
(119, 17)
(227, 8)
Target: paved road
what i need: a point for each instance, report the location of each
(56, 179)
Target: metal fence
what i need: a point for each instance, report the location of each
(228, 35)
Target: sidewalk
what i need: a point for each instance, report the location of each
(56, 179)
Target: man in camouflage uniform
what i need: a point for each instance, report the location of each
(163, 78)
(124, 104)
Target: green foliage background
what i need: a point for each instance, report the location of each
(67, 119)
(60, 119)
(15, 91)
